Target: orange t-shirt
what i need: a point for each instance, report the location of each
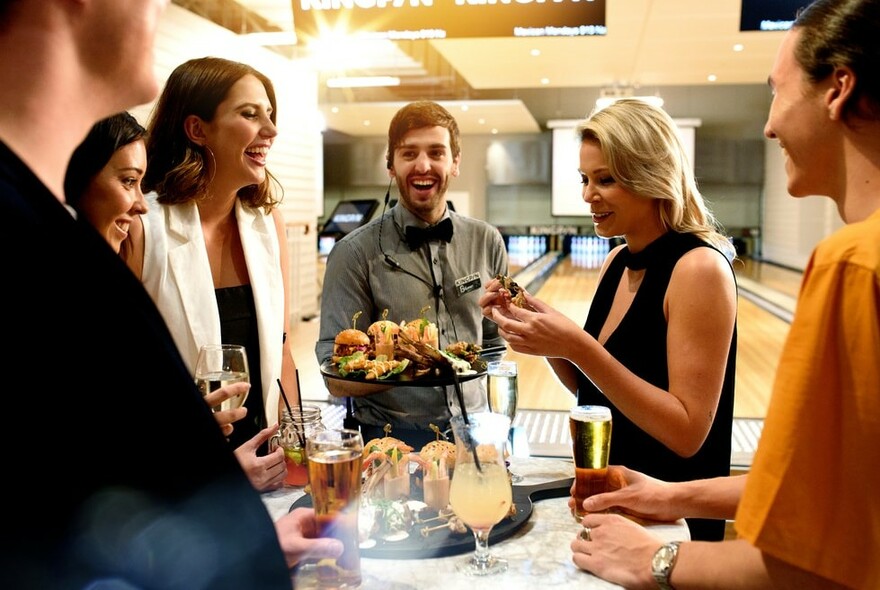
(812, 498)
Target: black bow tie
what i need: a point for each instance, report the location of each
(416, 236)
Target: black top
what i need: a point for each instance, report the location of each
(639, 343)
(238, 325)
(118, 469)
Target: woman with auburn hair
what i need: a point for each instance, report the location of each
(212, 253)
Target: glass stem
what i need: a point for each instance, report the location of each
(481, 553)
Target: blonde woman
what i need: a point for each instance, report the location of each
(659, 343)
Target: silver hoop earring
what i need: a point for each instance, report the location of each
(213, 165)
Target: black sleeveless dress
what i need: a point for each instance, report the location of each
(639, 343)
(238, 325)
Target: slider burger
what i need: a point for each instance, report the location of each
(514, 292)
(349, 342)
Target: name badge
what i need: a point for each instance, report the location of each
(468, 283)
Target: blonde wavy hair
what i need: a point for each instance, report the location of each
(644, 154)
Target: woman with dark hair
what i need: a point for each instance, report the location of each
(213, 252)
(103, 181)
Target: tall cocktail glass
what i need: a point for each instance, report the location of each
(480, 492)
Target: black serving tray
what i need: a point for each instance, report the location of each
(443, 543)
(331, 371)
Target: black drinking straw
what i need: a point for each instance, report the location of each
(464, 416)
(299, 435)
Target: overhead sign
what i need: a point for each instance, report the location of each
(769, 15)
(448, 19)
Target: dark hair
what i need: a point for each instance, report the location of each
(843, 33)
(104, 138)
(417, 115)
(177, 167)
(8, 10)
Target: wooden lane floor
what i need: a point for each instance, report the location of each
(543, 401)
(760, 338)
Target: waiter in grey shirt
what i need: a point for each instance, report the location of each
(418, 254)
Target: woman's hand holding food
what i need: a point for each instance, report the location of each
(536, 328)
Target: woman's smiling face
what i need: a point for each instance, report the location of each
(241, 134)
(113, 198)
(616, 211)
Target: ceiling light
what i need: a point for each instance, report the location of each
(362, 81)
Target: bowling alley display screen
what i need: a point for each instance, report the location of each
(448, 19)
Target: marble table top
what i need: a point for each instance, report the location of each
(538, 554)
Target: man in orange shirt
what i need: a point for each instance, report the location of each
(808, 512)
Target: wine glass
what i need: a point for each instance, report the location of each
(480, 492)
(219, 365)
(502, 393)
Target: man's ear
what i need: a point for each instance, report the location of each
(194, 129)
(843, 83)
(456, 166)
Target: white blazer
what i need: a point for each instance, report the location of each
(177, 275)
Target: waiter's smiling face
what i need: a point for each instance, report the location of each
(422, 166)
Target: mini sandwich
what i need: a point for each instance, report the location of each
(514, 291)
(349, 342)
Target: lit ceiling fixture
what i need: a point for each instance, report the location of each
(362, 81)
(611, 94)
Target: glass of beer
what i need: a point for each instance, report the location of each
(335, 477)
(590, 441)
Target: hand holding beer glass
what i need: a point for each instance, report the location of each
(591, 442)
(335, 477)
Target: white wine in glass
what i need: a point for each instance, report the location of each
(502, 393)
(480, 492)
(502, 387)
(219, 365)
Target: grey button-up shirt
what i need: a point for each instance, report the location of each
(365, 275)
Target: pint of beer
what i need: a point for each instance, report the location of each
(335, 477)
(590, 440)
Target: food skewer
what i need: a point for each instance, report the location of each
(455, 524)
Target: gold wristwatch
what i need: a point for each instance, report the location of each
(662, 564)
